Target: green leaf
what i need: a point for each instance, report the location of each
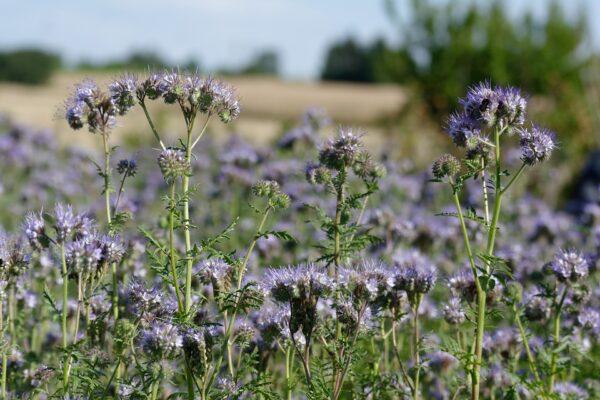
(50, 300)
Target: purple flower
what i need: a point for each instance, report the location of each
(537, 144)
(416, 277)
(342, 150)
(171, 87)
(570, 266)
(299, 282)
(173, 164)
(568, 390)
(161, 341)
(112, 248)
(65, 221)
(588, 318)
(83, 256)
(512, 106)
(481, 103)
(453, 312)
(34, 229)
(123, 91)
(217, 272)
(464, 131)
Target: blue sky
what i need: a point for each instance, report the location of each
(215, 32)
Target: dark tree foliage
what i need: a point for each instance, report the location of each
(30, 66)
(444, 47)
(351, 61)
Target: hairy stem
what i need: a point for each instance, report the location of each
(416, 349)
(4, 358)
(172, 248)
(154, 131)
(556, 340)
(65, 334)
(525, 340)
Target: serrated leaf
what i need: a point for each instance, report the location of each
(50, 300)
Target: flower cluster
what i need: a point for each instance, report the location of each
(300, 287)
(173, 164)
(570, 266)
(89, 105)
(271, 191)
(192, 93)
(346, 151)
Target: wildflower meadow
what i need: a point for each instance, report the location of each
(306, 268)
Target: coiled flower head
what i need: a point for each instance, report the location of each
(272, 191)
(88, 105)
(127, 168)
(341, 151)
(34, 229)
(453, 312)
(537, 144)
(300, 287)
(198, 346)
(65, 221)
(112, 249)
(161, 341)
(13, 259)
(570, 266)
(218, 273)
(83, 256)
(446, 166)
(415, 279)
(173, 164)
(123, 91)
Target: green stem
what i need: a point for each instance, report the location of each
(288, 373)
(4, 358)
(154, 131)
(78, 312)
(416, 347)
(514, 178)
(115, 280)
(481, 292)
(336, 229)
(556, 343)
(486, 203)
(65, 339)
(172, 248)
(242, 270)
(530, 359)
(407, 379)
(186, 223)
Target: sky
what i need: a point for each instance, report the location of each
(216, 33)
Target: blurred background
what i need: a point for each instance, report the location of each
(392, 67)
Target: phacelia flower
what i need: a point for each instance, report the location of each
(537, 144)
(83, 256)
(341, 151)
(272, 191)
(446, 166)
(123, 91)
(570, 266)
(464, 131)
(171, 87)
(216, 272)
(112, 249)
(301, 287)
(453, 312)
(127, 167)
(65, 221)
(13, 259)
(173, 164)
(34, 229)
(161, 341)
